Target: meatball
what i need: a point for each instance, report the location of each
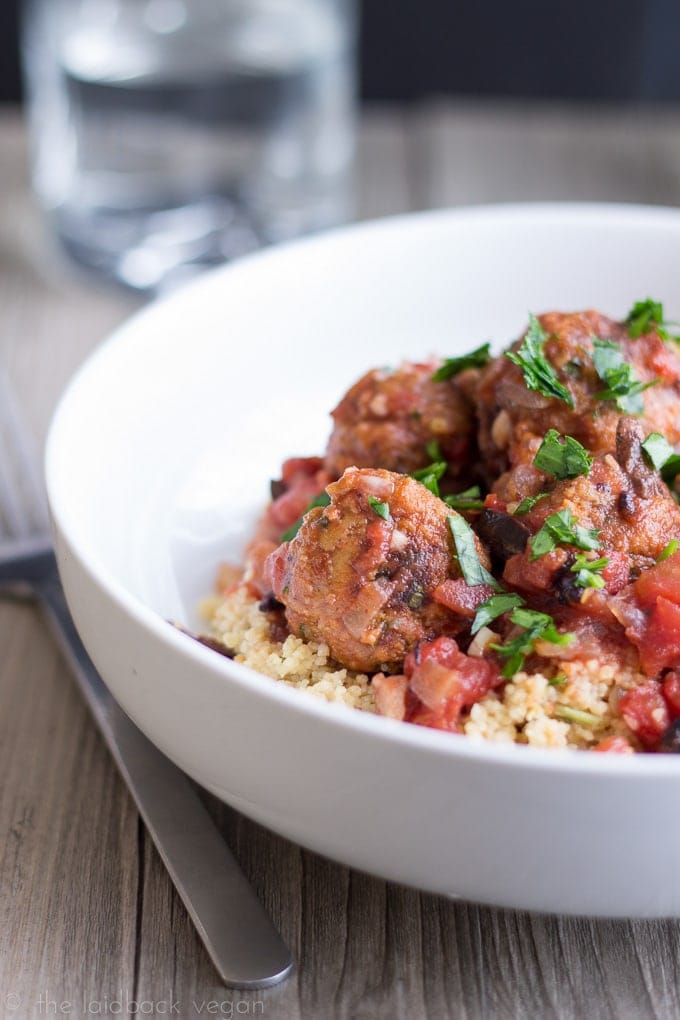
(514, 419)
(389, 418)
(622, 499)
(361, 574)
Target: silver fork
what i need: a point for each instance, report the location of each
(239, 937)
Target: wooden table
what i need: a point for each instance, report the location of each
(90, 922)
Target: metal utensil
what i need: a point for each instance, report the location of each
(239, 937)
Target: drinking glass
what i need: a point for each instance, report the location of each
(172, 134)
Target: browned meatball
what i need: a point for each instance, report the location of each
(360, 573)
(622, 499)
(388, 418)
(514, 419)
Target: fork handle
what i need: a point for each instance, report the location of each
(239, 936)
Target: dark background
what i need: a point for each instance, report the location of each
(412, 49)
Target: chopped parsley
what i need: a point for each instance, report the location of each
(472, 570)
(471, 499)
(452, 366)
(669, 550)
(558, 681)
(528, 503)
(494, 607)
(588, 572)
(434, 452)
(644, 316)
(536, 626)
(575, 715)
(323, 499)
(538, 373)
(562, 529)
(662, 456)
(617, 374)
(381, 509)
(429, 476)
(562, 456)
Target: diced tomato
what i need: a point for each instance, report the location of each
(285, 510)
(494, 502)
(659, 646)
(446, 681)
(662, 579)
(661, 361)
(390, 695)
(275, 570)
(299, 467)
(617, 571)
(304, 479)
(442, 649)
(434, 684)
(534, 575)
(649, 609)
(461, 597)
(645, 711)
(671, 692)
(614, 745)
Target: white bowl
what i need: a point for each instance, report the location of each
(158, 462)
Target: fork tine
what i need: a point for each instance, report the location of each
(22, 495)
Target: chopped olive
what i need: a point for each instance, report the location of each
(210, 642)
(626, 504)
(503, 533)
(564, 583)
(670, 741)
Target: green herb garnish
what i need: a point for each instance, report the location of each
(669, 550)
(562, 456)
(323, 499)
(472, 570)
(528, 503)
(429, 476)
(575, 715)
(471, 499)
(536, 626)
(538, 373)
(434, 452)
(494, 607)
(558, 681)
(562, 529)
(588, 572)
(617, 374)
(644, 316)
(452, 366)
(381, 509)
(662, 456)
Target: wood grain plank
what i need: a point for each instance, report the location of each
(64, 818)
(481, 151)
